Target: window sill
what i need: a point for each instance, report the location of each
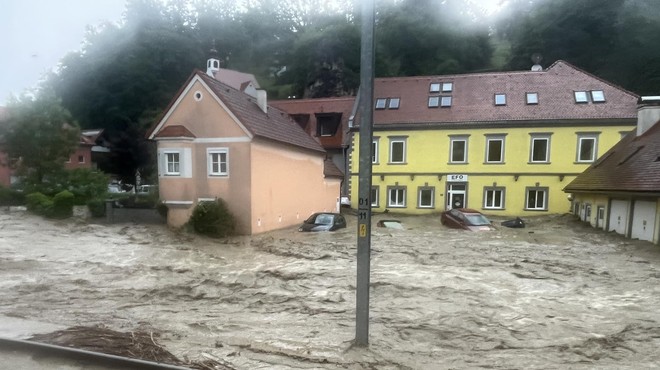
(493, 209)
(457, 163)
(425, 207)
(397, 163)
(495, 163)
(391, 206)
(218, 175)
(583, 162)
(173, 174)
(536, 210)
(539, 162)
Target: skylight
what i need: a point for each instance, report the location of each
(445, 101)
(532, 98)
(394, 103)
(434, 101)
(500, 99)
(597, 96)
(581, 97)
(435, 87)
(380, 103)
(447, 86)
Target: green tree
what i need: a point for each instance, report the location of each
(41, 136)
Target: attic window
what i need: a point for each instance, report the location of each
(327, 123)
(657, 159)
(198, 95)
(532, 98)
(500, 99)
(435, 87)
(447, 87)
(434, 101)
(445, 101)
(381, 103)
(597, 96)
(394, 103)
(581, 97)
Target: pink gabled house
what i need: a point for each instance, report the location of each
(216, 140)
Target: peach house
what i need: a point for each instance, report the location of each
(218, 141)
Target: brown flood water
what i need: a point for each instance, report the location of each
(556, 294)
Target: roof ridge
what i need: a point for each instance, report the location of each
(558, 61)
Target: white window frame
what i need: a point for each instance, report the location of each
(419, 197)
(166, 157)
(374, 151)
(400, 201)
(445, 101)
(397, 140)
(532, 98)
(581, 97)
(381, 103)
(540, 137)
(594, 152)
(598, 96)
(210, 153)
(536, 191)
(454, 139)
(500, 99)
(493, 190)
(493, 138)
(375, 189)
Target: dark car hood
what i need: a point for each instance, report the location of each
(314, 227)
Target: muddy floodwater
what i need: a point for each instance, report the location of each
(557, 294)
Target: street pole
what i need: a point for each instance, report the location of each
(364, 183)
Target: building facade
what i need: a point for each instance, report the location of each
(506, 143)
(215, 141)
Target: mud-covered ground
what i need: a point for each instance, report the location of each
(556, 294)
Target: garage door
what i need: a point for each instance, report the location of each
(643, 222)
(619, 216)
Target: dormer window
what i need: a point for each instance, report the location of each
(435, 87)
(500, 99)
(597, 96)
(447, 87)
(581, 97)
(381, 103)
(394, 103)
(532, 98)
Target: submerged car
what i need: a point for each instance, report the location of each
(323, 221)
(467, 219)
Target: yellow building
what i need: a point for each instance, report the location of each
(504, 143)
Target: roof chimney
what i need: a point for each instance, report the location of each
(262, 100)
(537, 58)
(648, 113)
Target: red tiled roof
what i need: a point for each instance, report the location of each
(274, 125)
(175, 131)
(632, 165)
(473, 97)
(330, 169)
(88, 137)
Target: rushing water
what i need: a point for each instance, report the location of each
(556, 294)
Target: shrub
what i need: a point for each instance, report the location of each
(62, 205)
(11, 197)
(162, 209)
(38, 203)
(213, 219)
(96, 207)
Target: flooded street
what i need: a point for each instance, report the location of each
(556, 294)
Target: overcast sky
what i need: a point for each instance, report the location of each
(36, 34)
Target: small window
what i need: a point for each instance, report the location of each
(81, 159)
(217, 162)
(68, 160)
(494, 198)
(494, 149)
(500, 99)
(380, 103)
(394, 103)
(374, 196)
(445, 101)
(458, 150)
(327, 124)
(587, 148)
(426, 197)
(435, 87)
(434, 101)
(532, 98)
(537, 199)
(581, 97)
(374, 151)
(540, 149)
(447, 87)
(597, 96)
(198, 95)
(172, 164)
(396, 196)
(397, 150)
